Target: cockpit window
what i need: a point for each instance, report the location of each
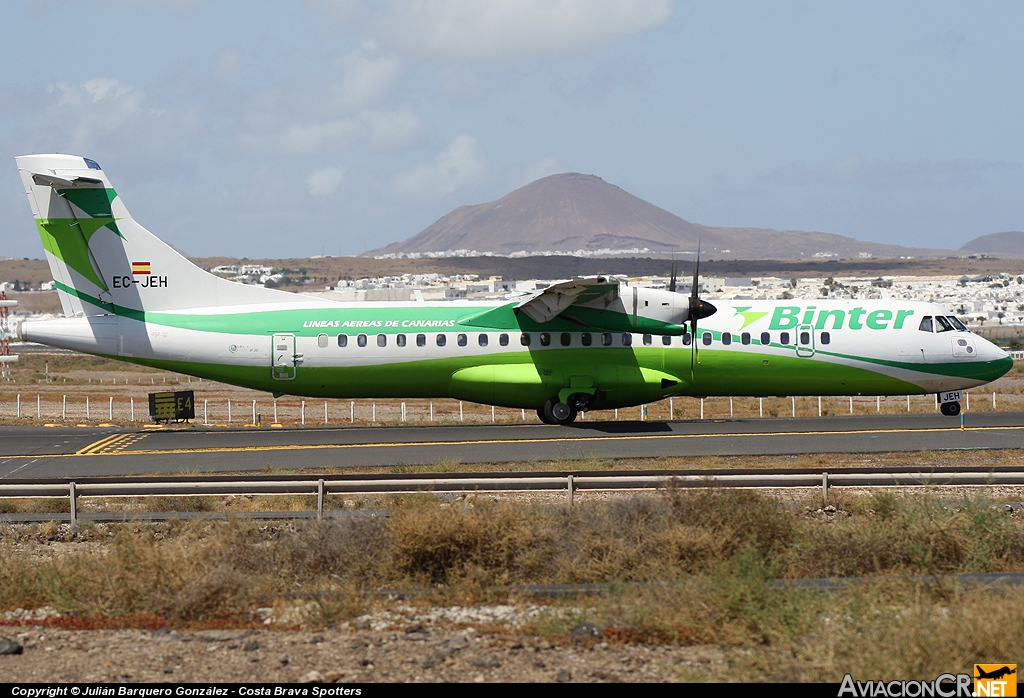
(92, 164)
(942, 324)
(956, 323)
(926, 324)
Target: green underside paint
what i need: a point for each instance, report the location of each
(620, 377)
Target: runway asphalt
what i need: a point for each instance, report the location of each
(39, 452)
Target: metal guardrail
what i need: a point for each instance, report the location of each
(571, 483)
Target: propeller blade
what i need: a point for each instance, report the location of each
(672, 279)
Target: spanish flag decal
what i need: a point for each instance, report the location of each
(140, 267)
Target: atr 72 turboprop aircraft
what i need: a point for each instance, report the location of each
(577, 345)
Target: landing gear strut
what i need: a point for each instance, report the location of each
(950, 409)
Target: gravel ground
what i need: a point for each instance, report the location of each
(416, 651)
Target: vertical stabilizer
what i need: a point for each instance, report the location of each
(102, 261)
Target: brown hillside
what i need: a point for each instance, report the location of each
(571, 211)
(1010, 243)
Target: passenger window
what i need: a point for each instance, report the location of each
(421, 340)
(727, 338)
(706, 337)
(361, 340)
(648, 340)
(606, 339)
(400, 340)
(321, 341)
(627, 340)
(545, 339)
(524, 339)
(805, 338)
(503, 340)
(943, 324)
(566, 339)
(926, 324)
(342, 340)
(784, 338)
(586, 339)
(382, 340)
(687, 339)
(462, 340)
(442, 339)
(745, 338)
(482, 340)
(825, 338)
(666, 339)
(766, 339)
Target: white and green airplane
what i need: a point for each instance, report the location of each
(581, 344)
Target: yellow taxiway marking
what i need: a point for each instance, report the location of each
(113, 446)
(110, 444)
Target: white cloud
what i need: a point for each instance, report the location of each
(500, 30)
(366, 77)
(306, 139)
(324, 182)
(392, 129)
(97, 107)
(458, 165)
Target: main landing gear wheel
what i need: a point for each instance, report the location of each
(950, 409)
(555, 412)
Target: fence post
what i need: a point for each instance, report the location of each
(19, 405)
(374, 413)
(993, 399)
(569, 487)
(64, 409)
(616, 413)
(38, 409)
(819, 405)
(352, 412)
(110, 409)
(275, 411)
(908, 403)
(524, 414)
(133, 408)
(702, 408)
(73, 494)
(824, 486)
(492, 414)
(205, 420)
(302, 414)
(793, 400)
(229, 411)
(760, 407)
(460, 411)
(403, 411)
(253, 411)
(730, 407)
(325, 411)
(320, 499)
(851, 404)
(671, 409)
(87, 407)
(878, 403)
(967, 397)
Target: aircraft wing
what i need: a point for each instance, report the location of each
(547, 304)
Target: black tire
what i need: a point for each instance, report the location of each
(542, 415)
(563, 413)
(950, 409)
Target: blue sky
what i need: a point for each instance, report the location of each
(335, 126)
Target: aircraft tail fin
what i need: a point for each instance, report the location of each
(102, 261)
